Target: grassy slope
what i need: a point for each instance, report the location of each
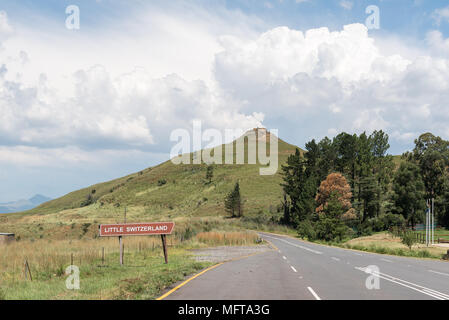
(186, 194)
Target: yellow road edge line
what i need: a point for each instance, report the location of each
(188, 280)
(272, 245)
(204, 271)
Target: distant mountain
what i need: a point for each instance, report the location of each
(23, 205)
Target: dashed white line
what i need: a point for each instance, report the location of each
(442, 273)
(386, 260)
(294, 270)
(336, 259)
(313, 293)
(283, 257)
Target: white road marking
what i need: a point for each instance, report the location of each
(313, 293)
(283, 257)
(386, 260)
(430, 292)
(358, 254)
(293, 269)
(295, 245)
(336, 259)
(442, 273)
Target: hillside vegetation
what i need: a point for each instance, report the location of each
(166, 191)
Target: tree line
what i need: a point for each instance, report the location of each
(379, 191)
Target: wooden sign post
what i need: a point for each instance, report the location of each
(164, 247)
(138, 229)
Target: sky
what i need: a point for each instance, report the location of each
(84, 105)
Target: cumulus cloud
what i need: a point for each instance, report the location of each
(307, 84)
(341, 80)
(437, 43)
(124, 112)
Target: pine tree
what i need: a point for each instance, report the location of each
(299, 188)
(233, 202)
(209, 174)
(409, 193)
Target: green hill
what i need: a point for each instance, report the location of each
(166, 191)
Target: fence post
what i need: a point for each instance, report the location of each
(27, 270)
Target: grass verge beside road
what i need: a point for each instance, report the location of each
(385, 243)
(144, 275)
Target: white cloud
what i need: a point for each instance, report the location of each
(5, 28)
(437, 43)
(345, 4)
(301, 82)
(341, 80)
(441, 14)
(49, 102)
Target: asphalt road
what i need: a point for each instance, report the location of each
(299, 270)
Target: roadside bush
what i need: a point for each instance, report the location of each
(306, 230)
(262, 218)
(331, 229)
(424, 254)
(409, 239)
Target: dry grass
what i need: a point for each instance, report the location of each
(49, 258)
(391, 245)
(228, 238)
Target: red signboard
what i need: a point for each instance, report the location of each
(136, 229)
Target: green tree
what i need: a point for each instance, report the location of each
(328, 156)
(346, 146)
(432, 155)
(409, 239)
(233, 202)
(299, 188)
(209, 173)
(442, 205)
(330, 226)
(409, 193)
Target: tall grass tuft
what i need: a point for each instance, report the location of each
(227, 238)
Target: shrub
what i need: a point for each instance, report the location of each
(424, 254)
(409, 239)
(306, 230)
(161, 182)
(89, 200)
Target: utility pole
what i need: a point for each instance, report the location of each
(433, 221)
(430, 222)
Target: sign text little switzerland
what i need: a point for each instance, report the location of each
(136, 229)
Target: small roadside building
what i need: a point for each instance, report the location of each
(7, 238)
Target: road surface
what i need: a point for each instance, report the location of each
(298, 270)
